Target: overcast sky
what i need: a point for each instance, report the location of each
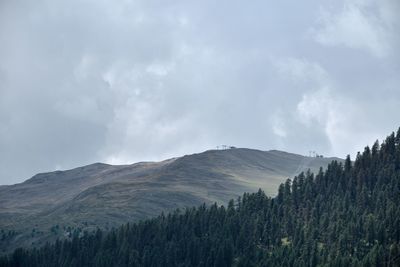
(125, 81)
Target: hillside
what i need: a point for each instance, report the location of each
(58, 204)
(345, 216)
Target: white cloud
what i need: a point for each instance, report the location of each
(159, 69)
(302, 70)
(342, 120)
(323, 107)
(366, 25)
(316, 108)
(278, 124)
(82, 70)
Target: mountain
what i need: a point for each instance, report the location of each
(59, 204)
(347, 215)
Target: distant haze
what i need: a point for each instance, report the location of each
(125, 81)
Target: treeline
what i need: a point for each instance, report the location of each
(347, 215)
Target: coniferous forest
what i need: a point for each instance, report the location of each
(347, 215)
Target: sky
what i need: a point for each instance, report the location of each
(124, 81)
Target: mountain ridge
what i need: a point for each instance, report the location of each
(104, 195)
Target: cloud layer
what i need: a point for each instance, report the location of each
(126, 81)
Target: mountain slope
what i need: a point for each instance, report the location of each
(346, 216)
(56, 204)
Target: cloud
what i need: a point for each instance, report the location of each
(126, 81)
(343, 121)
(302, 70)
(340, 123)
(367, 25)
(278, 124)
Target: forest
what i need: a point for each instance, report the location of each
(346, 215)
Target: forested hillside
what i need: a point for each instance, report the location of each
(348, 215)
(57, 205)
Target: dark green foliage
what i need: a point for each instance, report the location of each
(348, 215)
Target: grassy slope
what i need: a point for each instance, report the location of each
(107, 196)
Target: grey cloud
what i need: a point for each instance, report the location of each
(368, 25)
(86, 81)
